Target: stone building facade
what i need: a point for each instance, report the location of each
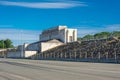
(61, 33)
(49, 39)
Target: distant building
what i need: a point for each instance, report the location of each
(49, 39)
(42, 46)
(61, 33)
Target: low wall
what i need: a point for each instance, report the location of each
(20, 55)
(29, 53)
(84, 60)
(14, 54)
(47, 45)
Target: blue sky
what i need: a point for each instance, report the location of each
(30, 17)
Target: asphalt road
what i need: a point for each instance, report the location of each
(21, 69)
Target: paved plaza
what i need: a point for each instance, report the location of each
(22, 69)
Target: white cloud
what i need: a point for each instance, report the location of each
(60, 4)
(29, 36)
(84, 30)
(113, 27)
(20, 36)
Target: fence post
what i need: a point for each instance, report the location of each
(58, 55)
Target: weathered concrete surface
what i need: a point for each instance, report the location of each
(17, 69)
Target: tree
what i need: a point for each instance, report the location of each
(102, 35)
(116, 34)
(6, 43)
(97, 36)
(105, 34)
(79, 39)
(2, 44)
(88, 37)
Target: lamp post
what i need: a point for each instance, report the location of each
(22, 44)
(3, 48)
(3, 44)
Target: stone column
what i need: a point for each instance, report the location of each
(65, 55)
(74, 35)
(99, 56)
(70, 54)
(66, 36)
(42, 55)
(106, 55)
(86, 55)
(61, 55)
(115, 55)
(75, 54)
(92, 55)
(50, 55)
(54, 54)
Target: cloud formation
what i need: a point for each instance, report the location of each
(84, 30)
(29, 36)
(45, 5)
(113, 27)
(19, 36)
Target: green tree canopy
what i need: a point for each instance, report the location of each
(6, 43)
(116, 33)
(79, 38)
(101, 35)
(105, 34)
(1, 44)
(88, 37)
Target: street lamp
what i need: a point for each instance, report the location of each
(3, 43)
(3, 48)
(22, 53)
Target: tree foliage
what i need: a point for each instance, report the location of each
(101, 35)
(88, 37)
(116, 33)
(6, 43)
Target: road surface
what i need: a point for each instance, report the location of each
(21, 69)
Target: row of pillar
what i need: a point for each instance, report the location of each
(75, 55)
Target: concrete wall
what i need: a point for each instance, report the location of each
(2, 54)
(61, 32)
(18, 54)
(61, 35)
(33, 47)
(14, 54)
(64, 34)
(70, 33)
(49, 45)
(29, 53)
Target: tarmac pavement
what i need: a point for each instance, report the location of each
(23, 69)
